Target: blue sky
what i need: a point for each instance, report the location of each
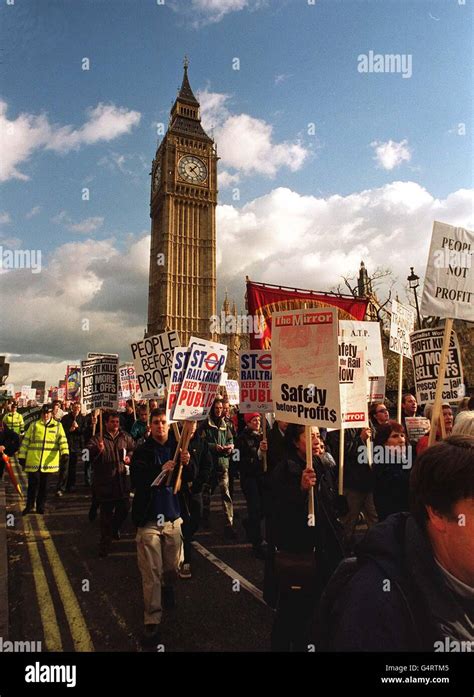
(298, 66)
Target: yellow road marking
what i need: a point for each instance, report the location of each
(77, 624)
(52, 636)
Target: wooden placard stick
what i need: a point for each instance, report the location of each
(309, 464)
(435, 416)
(400, 380)
(341, 462)
(187, 433)
(264, 437)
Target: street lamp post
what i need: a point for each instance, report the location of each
(413, 281)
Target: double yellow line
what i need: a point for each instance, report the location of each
(77, 625)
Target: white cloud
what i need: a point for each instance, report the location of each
(20, 138)
(202, 12)
(106, 287)
(309, 242)
(283, 237)
(281, 78)
(34, 211)
(85, 226)
(5, 218)
(391, 154)
(246, 143)
(133, 165)
(225, 179)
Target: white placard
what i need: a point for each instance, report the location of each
(449, 279)
(353, 383)
(402, 324)
(201, 379)
(370, 331)
(305, 385)
(152, 358)
(255, 379)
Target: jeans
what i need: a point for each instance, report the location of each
(112, 515)
(208, 490)
(191, 523)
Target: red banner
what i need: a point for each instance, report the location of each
(263, 299)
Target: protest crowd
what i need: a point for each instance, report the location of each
(360, 510)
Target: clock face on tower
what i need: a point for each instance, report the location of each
(192, 169)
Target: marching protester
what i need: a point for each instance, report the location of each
(392, 465)
(275, 453)
(464, 424)
(190, 496)
(306, 554)
(110, 460)
(43, 448)
(14, 420)
(358, 479)
(251, 447)
(140, 428)
(409, 409)
(74, 425)
(156, 513)
(446, 415)
(9, 444)
(378, 415)
(221, 444)
(127, 418)
(233, 465)
(425, 558)
(58, 412)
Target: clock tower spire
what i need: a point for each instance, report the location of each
(182, 285)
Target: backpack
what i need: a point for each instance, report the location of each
(334, 590)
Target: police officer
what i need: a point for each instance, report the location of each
(43, 446)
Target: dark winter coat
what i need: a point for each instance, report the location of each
(75, 439)
(248, 443)
(10, 440)
(358, 476)
(290, 528)
(217, 435)
(110, 481)
(147, 463)
(397, 600)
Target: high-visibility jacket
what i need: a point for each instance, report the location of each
(14, 420)
(43, 445)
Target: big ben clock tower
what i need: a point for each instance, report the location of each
(182, 286)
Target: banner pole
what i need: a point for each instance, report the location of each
(341, 462)
(309, 464)
(264, 437)
(400, 378)
(100, 425)
(448, 328)
(368, 445)
(184, 446)
(94, 426)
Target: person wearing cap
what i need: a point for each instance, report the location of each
(251, 447)
(43, 447)
(14, 420)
